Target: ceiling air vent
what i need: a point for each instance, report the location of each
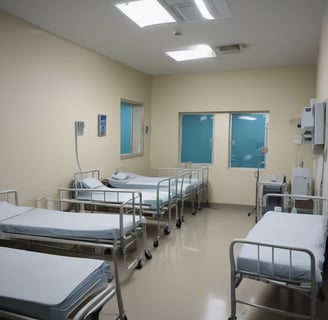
(231, 48)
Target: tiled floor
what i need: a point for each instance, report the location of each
(189, 275)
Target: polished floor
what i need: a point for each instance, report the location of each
(189, 275)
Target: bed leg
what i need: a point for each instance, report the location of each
(233, 284)
(122, 315)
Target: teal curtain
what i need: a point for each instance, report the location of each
(126, 128)
(248, 135)
(196, 138)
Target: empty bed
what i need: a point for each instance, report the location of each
(280, 249)
(155, 204)
(184, 184)
(51, 287)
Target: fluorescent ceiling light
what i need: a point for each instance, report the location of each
(198, 51)
(145, 12)
(247, 118)
(203, 9)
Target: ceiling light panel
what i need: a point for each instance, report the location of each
(145, 12)
(190, 10)
(200, 51)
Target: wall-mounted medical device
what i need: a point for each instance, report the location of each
(313, 123)
(79, 128)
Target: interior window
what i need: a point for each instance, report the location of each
(131, 124)
(248, 136)
(196, 138)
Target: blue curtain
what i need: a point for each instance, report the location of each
(196, 138)
(248, 135)
(126, 128)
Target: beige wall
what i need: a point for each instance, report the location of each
(322, 85)
(283, 92)
(47, 83)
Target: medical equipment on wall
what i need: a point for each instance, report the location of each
(79, 131)
(301, 181)
(313, 122)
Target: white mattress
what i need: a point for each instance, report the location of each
(286, 229)
(50, 223)
(45, 286)
(149, 197)
(133, 181)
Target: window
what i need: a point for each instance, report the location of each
(131, 129)
(247, 136)
(196, 138)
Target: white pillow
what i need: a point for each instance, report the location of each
(120, 176)
(91, 183)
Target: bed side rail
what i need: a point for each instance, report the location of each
(289, 202)
(9, 196)
(258, 272)
(237, 274)
(80, 175)
(64, 202)
(109, 198)
(169, 185)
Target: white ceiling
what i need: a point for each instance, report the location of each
(277, 33)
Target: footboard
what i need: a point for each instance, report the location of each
(274, 264)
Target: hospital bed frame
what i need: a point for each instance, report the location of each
(99, 245)
(87, 308)
(311, 289)
(156, 214)
(199, 194)
(126, 240)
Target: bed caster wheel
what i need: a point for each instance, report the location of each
(124, 317)
(167, 230)
(155, 243)
(139, 265)
(233, 318)
(178, 224)
(148, 254)
(108, 252)
(193, 212)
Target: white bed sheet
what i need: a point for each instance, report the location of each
(149, 197)
(286, 229)
(44, 286)
(133, 181)
(51, 223)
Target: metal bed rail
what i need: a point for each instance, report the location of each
(91, 243)
(156, 213)
(10, 196)
(131, 207)
(289, 202)
(201, 173)
(237, 274)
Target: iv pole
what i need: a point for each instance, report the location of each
(262, 150)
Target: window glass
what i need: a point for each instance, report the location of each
(196, 138)
(131, 126)
(247, 138)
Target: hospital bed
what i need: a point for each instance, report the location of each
(120, 230)
(46, 226)
(193, 182)
(50, 287)
(189, 184)
(154, 204)
(283, 248)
